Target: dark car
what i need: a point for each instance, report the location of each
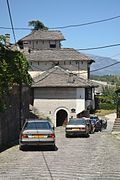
(77, 127)
(104, 123)
(37, 132)
(98, 126)
(97, 122)
(91, 126)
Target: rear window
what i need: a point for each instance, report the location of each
(77, 122)
(37, 125)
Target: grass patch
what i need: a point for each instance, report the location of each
(103, 112)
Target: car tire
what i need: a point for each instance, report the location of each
(21, 148)
(54, 147)
(87, 135)
(67, 136)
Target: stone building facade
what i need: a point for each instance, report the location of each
(61, 85)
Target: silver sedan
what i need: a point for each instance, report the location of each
(37, 132)
(77, 127)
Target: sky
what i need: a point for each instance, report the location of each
(57, 13)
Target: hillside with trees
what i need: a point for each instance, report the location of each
(110, 79)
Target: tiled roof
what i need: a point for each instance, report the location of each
(65, 54)
(44, 35)
(58, 77)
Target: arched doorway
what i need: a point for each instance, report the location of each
(61, 117)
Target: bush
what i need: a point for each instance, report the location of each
(107, 106)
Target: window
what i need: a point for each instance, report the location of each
(52, 45)
(73, 110)
(56, 63)
(88, 94)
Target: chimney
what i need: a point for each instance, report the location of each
(7, 39)
(71, 78)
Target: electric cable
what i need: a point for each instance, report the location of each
(99, 47)
(11, 21)
(104, 67)
(85, 24)
(70, 26)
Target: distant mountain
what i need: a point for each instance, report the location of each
(101, 62)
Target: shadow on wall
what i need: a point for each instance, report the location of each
(85, 113)
(33, 116)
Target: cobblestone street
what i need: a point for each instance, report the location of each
(93, 158)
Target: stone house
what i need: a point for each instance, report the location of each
(61, 85)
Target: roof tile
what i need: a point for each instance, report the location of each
(58, 77)
(44, 35)
(64, 54)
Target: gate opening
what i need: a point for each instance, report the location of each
(61, 118)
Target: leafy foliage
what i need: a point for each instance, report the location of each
(2, 39)
(13, 70)
(108, 98)
(36, 24)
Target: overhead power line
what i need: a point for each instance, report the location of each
(2, 27)
(11, 21)
(68, 26)
(87, 23)
(104, 67)
(99, 47)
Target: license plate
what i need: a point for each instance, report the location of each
(75, 129)
(39, 136)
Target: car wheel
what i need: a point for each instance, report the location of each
(54, 147)
(67, 136)
(87, 135)
(21, 148)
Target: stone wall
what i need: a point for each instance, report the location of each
(48, 101)
(10, 120)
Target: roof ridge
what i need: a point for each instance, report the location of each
(50, 71)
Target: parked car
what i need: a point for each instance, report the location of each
(97, 122)
(77, 127)
(104, 123)
(37, 132)
(98, 126)
(91, 126)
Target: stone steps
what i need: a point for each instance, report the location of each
(116, 126)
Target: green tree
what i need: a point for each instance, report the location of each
(13, 71)
(36, 24)
(2, 39)
(108, 98)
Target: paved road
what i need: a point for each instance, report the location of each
(93, 158)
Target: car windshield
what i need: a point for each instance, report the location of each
(37, 125)
(77, 122)
(94, 117)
